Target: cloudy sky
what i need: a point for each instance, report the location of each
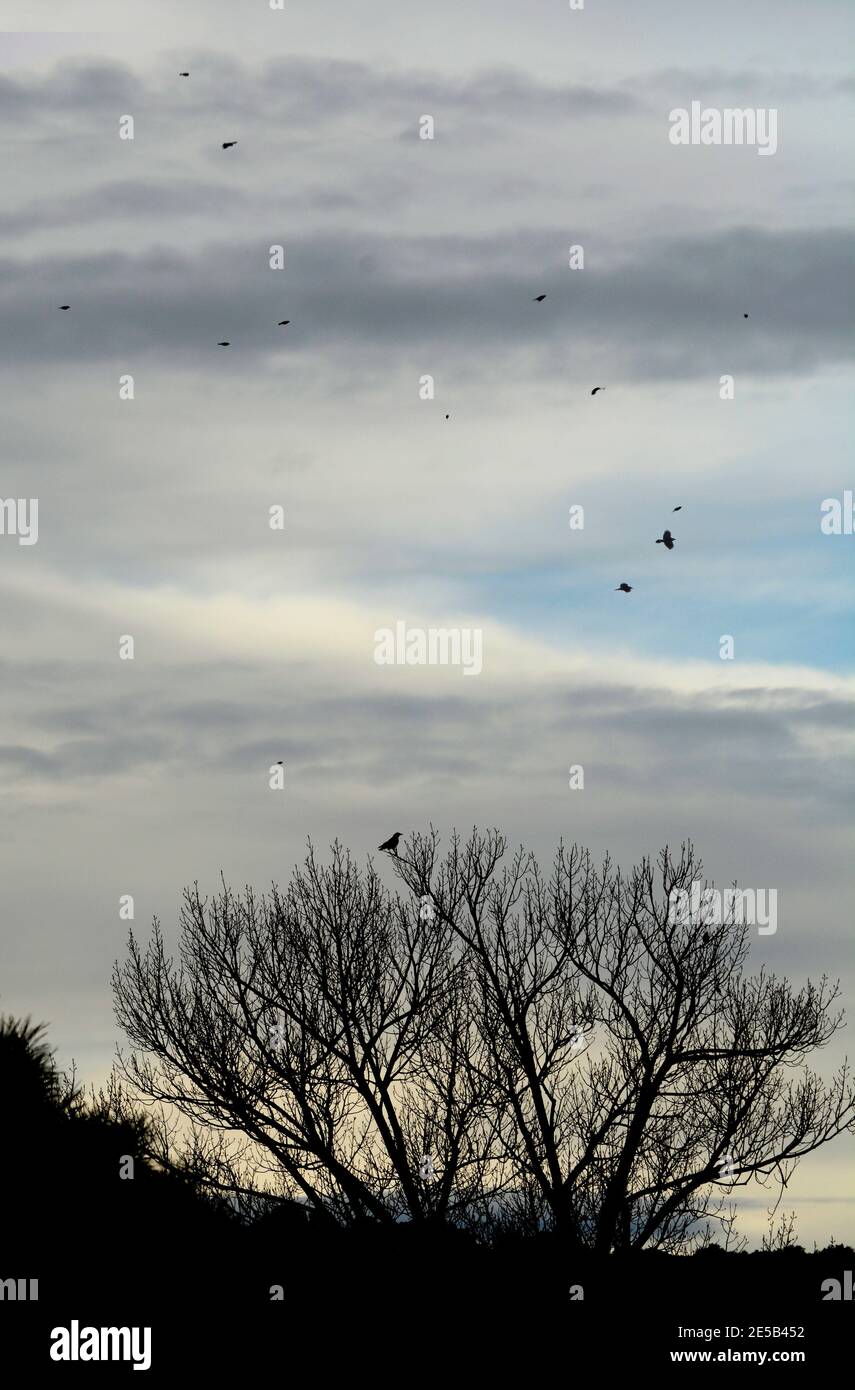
(407, 257)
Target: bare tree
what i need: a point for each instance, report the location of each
(326, 1027)
(492, 1047)
(689, 1079)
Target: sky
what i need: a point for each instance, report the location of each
(407, 257)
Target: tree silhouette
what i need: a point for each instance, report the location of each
(64, 1153)
(34, 1090)
(330, 1030)
(682, 1092)
(567, 1055)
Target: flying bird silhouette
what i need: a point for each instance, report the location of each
(392, 842)
(667, 540)
(229, 144)
(282, 322)
(679, 509)
(538, 298)
(226, 343)
(65, 306)
(596, 389)
(623, 589)
(183, 74)
(745, 316)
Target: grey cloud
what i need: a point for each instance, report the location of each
(124, 199)
(749, 751)
(83, 87)
(31, 761)
(105, 755)
(307, 90)
(747, 86)
(149, 200)
(734, 750)
(669, 308)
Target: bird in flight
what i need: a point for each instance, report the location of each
(596, 389)
(667, 540)
(282, 322)
(745, 316)
(538, 298)
(448, 417)
(392, 842)
(226, 343)
(227, 144)
(679, 509)
(623, 589)
(183, 74)
(65, 306)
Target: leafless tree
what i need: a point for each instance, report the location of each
(781, 1234)
(319, 1039)
(691, 1079)
(490, 1047)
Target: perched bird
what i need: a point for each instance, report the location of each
(227, 144)
(679, 509)
(392, 842)
(538, 298)
(706, 936)
(224, 344)
(596, 389)
(623, 589)
(65, 306)
(282, 322)
(667, 540)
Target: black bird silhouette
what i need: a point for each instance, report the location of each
(282, 322)
(538, 298)
(183, 74)
(227, 144)
(65, 306)
(224, 344)
(392, 842)
(667, 540)
(623, 589)
(679, 509)
(745, 316)
(596, 389)
(706, 936)
(448, 417)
